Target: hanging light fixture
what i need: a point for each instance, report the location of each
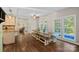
(35, 17)
(10, 10)
(11, 14)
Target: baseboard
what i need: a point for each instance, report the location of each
(75, 43)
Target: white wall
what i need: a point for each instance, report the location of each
(28, 23)
(33, 24)
(21, 23)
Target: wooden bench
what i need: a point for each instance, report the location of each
(42, 37)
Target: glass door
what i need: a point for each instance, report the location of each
(69, 28)
(43, 26)
(57, 28)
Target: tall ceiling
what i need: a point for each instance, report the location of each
(23, 12)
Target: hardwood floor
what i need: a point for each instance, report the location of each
(29, 44)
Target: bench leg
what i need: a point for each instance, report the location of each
(46, 42)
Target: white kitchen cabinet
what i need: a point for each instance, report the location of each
(9, 30)
(9, 37)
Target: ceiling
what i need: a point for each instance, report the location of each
(23, 12)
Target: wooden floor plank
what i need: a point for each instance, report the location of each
(29, 44)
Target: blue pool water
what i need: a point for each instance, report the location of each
(69, 37)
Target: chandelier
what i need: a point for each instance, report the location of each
(35, 17)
